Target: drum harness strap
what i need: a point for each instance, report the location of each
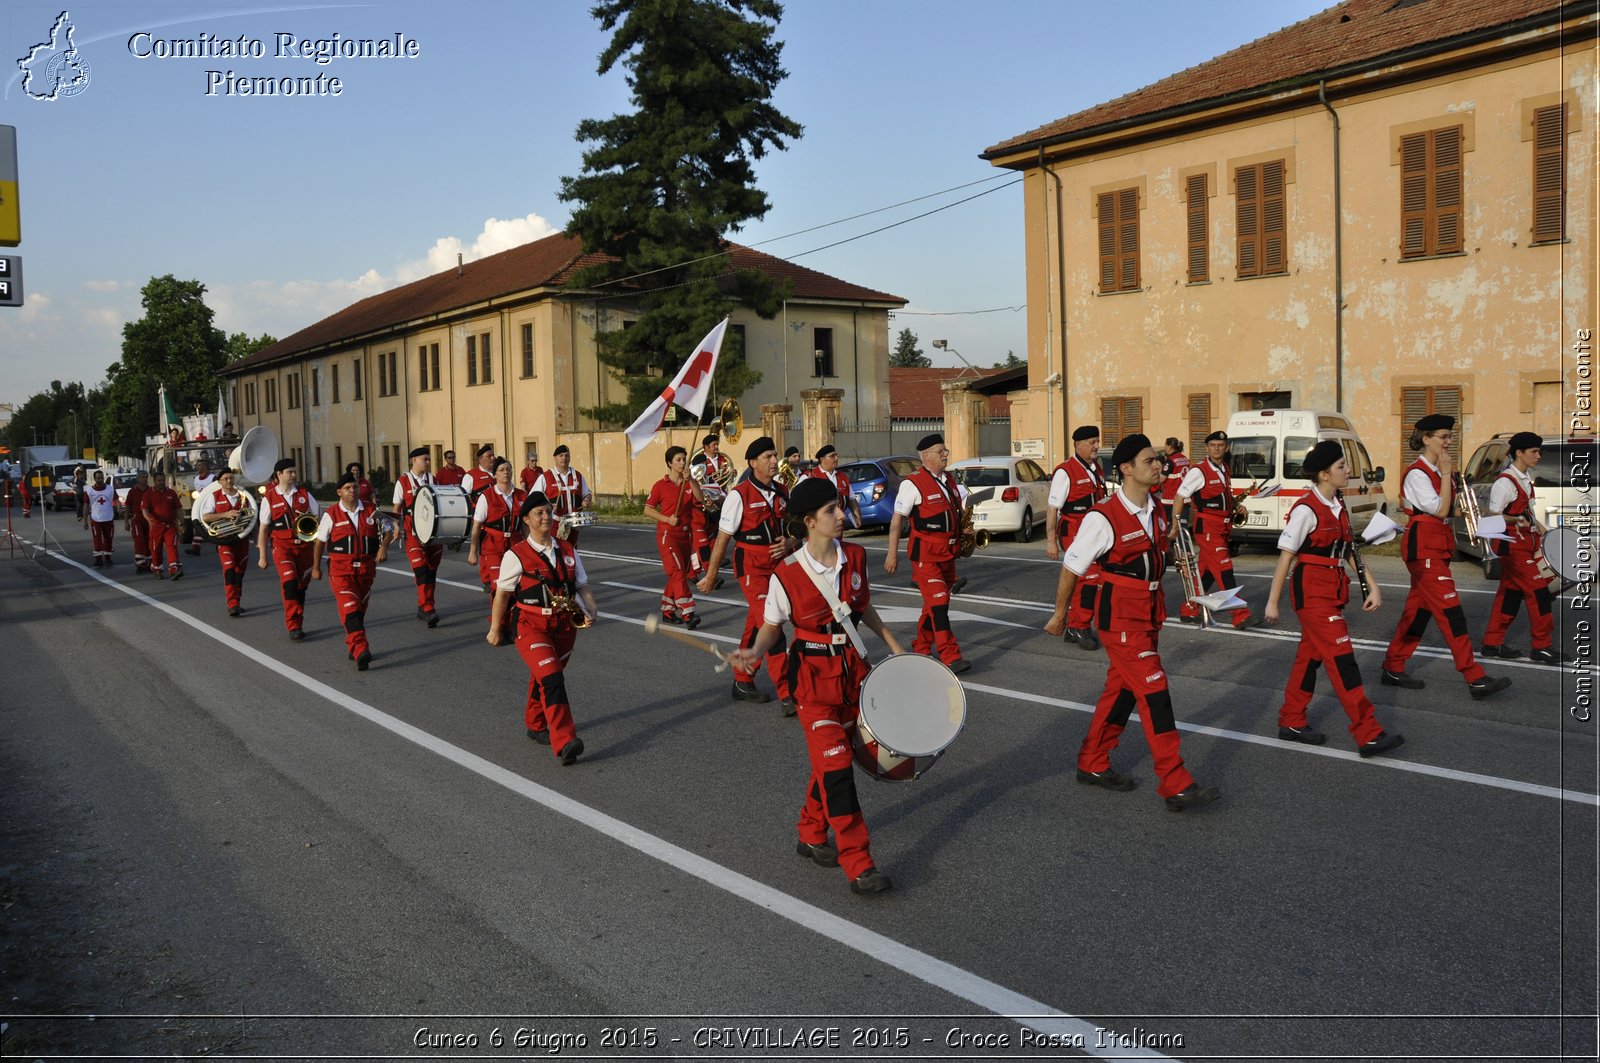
(841, 614)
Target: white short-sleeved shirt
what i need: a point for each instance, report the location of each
(1302, 521)
(511, 567)
(777, 610)
(909, 497)
(325, 525)
(208, 501)
(1503, 493)
(1194, 479)
(1060, 484)
(1419, 491)
(480, 512)
(1095, 536)
(733, 507)
(203, 482)
(417, 481)
(102, 503)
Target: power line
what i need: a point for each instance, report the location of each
(956, 313)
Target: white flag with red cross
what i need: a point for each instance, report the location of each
(688, 389)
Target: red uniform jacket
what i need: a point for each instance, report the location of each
(1320, 572)
(1085, 488)
(540, 578)
(134, 507)
(1130, 597)
(824, 668)
(1214, 500)
(936, 520)
(476, 481)
(760, 525)
(565, 491)
(1428, 538)
(1175, 467)
(840, 481)
(1523, 539)
(669, 498)
(353, 539)
(161, 505)
(279, 511)
(503, 524)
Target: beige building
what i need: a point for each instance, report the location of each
(500, 351)
(1387, 209)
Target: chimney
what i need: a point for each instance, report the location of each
(459, 270)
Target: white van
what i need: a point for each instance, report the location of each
(1266, 448)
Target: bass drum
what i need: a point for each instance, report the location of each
(1568, 555)
(442, 514)
(912, 708)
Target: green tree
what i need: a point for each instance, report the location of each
(65, 415)
(907, 355)
(663, 185)
(174, 343)
(241, 345)
(1011, 362)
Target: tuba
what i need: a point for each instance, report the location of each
(236, 523)
(730, 420)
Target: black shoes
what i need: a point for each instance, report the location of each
(822, 855)
(1088, 640)
(748, 692)
(960, 664)
(1382, 744)
(1549, 655)
(1071, 634)
(670, 618)
(571, 753)
(1106, 780)
(295, 634)
(178, 574)
(432, 618)
(788, 706)
(691, 621)
(870, 881)
(363, 660)
(1400, 679)
(542, 736)
(1192, 797)
(1486, 686)
(1302, 734)
(234, 610)
(1505, 653)
(1247, 622)
(955, 588)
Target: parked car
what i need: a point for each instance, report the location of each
(874, 483)
(1021, 498)
(123, 482)
(1564, 484)
(63, 495)
(1267, 447)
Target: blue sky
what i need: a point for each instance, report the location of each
(288, 209)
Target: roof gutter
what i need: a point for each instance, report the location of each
(1338, 260)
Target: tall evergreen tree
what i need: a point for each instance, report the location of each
(175, 343)
(906, 353)
(662, 186)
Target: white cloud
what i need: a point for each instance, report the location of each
(35, 309)
(497, 235)
(107, 286)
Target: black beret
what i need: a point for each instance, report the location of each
(1128, 448)
(346, 479)
(709, 439)
(791, 450)
(418, 452)
(1525, 440)
(810, 495)
(562, 449)
(927, 441)
(494, 466)
(1436, 422)
(282, 464)
(1325, 455)
(487, 448)
(1085, 431)
(759, 447)
(534, 500)
(826, 450)
(1217, 437)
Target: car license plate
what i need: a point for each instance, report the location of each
(981, 517)
(1256, 520)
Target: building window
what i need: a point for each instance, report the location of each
(356, 379)
(383, 373)
(822, 352)
(738, 345)
(361, 456)
(1417, 402)
(425, 380)
(1120, 416)
(472, 360)
(1199, 216)
(1258, 201)
(272, 394)
(1550, 174)
(338, 460)
(237, 407)
(292, 391)
(1199, 421)
(433, 360)
(1265, 400)
(320, 477)
(316, 386)
(335, 382)
(483, 353)
(250, 398)
(1430, 193)
(527, 350)
(1119, 240)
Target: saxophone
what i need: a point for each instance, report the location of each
(1240, 514)
(969, 538)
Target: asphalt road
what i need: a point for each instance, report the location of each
(220, 842)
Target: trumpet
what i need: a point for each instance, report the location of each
(788, 475)
(1469, 507)
(1187, 559)
(568, 604)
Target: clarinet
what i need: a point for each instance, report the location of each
(1355, 558)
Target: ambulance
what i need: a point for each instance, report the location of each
(1265, 449)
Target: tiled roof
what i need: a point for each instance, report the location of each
(1343, 36)
(915, 394)
(552, 261)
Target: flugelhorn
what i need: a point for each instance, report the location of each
(1469, 507)
(568, 604)
(305, 527)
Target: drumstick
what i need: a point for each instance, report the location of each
(652, 626)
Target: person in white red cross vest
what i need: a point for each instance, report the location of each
(497, 521)
(827, 468)
(1075, 487)
(100, 516)
(283, 503)
(931, 500)
(543, 578)
(566, 489)
(826, 670)
(1318, 541)
(1209, 485)
(1512, 497)
(351, 537)
(1123, 534)
(234, 550)
(1428, 495)
(753, 520)
(424, 557)
(673, 502)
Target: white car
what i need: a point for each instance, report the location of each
(1021, 499)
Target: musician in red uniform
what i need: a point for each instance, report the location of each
(1124, 535)
(827, 669)
(566, 489)
(496, 518)
(534, 573)
(1512, 497)
(449, 474)
(478, 478)
(531, 473)
(364, 491)
(673, 501)
(234, 550)
(349, 534)
(284, 502)
(1317, 540)
(163, 511)
(1075, 487)
(424, 558)
(718, 469)
(1209, 485)
(930, 499)
(1428, 494)
(753, 519)
(1174, 466)
(827, 468)
(135, 523)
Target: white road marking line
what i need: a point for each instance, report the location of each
(976, 990)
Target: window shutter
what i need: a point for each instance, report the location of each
(1417, 402)
(1274, 258)
(1447, 190)
(1110, 423)
(1199, 251)
(1128, 238)
(1108, 242)
(1447, 400)
(1132, 416)
(1246, 205)
(1550, 173)
(1199, 420)
(1413, 196)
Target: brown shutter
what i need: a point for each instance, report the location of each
(1110, 422)
(1199, 420)
(1247, 214)
(1413, 197)
(1128, 239)
(1446, 227)
(1447, 400)
(1274, 257)
(1199, 250)
(1108, 242)
(1550, 173)
(1132, 416)
(1416, 403)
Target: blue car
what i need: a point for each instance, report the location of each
(874, 483)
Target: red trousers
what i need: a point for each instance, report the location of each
(702, 530)
(831, 799)
(164, 539)
(1325, 643)
(139, 528)
(293, 561)
(235, 558)
(545, 643)
(490, 551)
(1081, 614)
(351, 583)
(933, 579)
(424, 566)
(753, 581)
(1433, 593)
(1135, 678)
(1519, 582)
(676, 550)
(102, 532)
(1216, 567)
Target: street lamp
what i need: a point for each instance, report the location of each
(944, 345)
(75, 451)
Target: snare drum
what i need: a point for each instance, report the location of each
(442, 514)
(912, 708)
(581, 519)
